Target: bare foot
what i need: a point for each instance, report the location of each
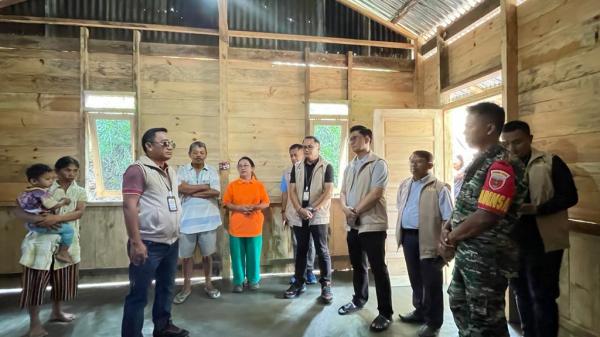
(37, 331)
(62, 317)
(64, 256)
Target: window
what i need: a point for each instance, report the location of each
(110, 142)
(329, 123)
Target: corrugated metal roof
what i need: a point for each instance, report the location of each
(419, 16)
(306, 17)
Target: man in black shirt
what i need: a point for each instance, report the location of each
(543, 232)
(311, 189)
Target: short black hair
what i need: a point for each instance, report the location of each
(150, 135)
(517, 125)
(37, 170)
(65, 161)
(424, 154)
(363, 130)
(196, 144)
(313, 138)
(295, 147)
(491, 111)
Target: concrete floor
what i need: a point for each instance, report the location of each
(262, 313)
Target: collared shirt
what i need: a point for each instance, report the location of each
(410, 215)
(37, 250)
(378, 179)
(245, 192)
(199, 214)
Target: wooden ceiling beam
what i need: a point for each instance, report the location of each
(404, 10)
(463, 22)
(6, 3)
(201, 31)
(366, 12)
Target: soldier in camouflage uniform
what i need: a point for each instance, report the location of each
(480, 228)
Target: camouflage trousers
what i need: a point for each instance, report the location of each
(476, 296)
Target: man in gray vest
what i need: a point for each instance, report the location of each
(542, 232)
(152, 212)
(363, 202)
(424, 204)
(311, 189)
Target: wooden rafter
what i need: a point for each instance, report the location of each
(200, 31)
(403, 10)
(6, 3)
(366, 12)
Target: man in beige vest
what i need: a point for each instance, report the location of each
(363, 202)
(424, 205)
(311, 189)
(152, 212)
(543, 231)
(296, 152)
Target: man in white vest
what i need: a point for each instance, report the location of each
(363, 202)
(543, 231)
(311, 189)
(152, 213)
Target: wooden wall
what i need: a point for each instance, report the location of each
(179, 84)
(559, 79)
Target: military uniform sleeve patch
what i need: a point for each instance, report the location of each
(498, 189)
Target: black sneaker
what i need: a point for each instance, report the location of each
(326, 294)
(171, 331)
(294, 290)
(413, 317)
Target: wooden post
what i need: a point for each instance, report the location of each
(135, 65)
(350, 61)
(509, 51)
(418, 75)
(442, 55)
(307, 91)
(224, 129)
(84, 84)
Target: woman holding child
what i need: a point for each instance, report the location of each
(40, 267)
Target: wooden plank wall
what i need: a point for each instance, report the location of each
(476, 52)
(559, 77)
(39, 114)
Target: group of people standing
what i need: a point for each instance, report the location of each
(507, 222)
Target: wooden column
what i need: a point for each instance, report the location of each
(350, 63)
(84, 84)
(223, 238)
(418, 75)
(509, 52)
(135, 65)
(307, 91)
(442, 56)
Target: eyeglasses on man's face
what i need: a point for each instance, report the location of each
(166, 143)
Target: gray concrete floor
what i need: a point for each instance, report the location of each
(261, 313)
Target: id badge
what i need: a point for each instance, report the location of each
(306, 196)
(172, 203)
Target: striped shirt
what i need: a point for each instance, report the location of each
(199, 214)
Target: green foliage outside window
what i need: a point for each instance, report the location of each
(330, 137)
(114, 143)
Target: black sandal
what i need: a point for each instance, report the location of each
(348, 308)
(380, 323)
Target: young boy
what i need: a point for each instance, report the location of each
(37, 200)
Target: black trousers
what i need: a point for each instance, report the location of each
(370, 246)
(319, 236)
(536, 290)
(426, 280)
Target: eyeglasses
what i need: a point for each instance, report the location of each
(166, 143)
(308, 147)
